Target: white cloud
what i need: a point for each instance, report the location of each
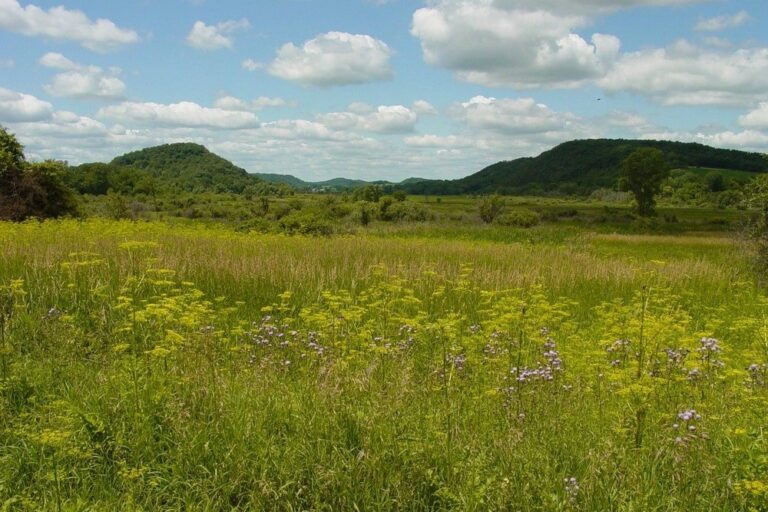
(587, 6)
(17, 107)
(390, 119)
(186, 114)
(79, 81)
(64, 24)
(684, 74)
(383, 119)
(628, 120)
(719, 23)
(334, 58)
(359, 107)
(251, 65)
(492, 44)
(7, 63)
(746, 140)
(58, 61)
(64, 125)
(424, 108)
(757, 118)
(294, 129)
(215, 37)
(438, 141)
(260, 103)
(511, 116)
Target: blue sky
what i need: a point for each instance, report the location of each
(379, 89)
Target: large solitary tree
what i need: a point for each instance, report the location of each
(642, 173)
(31, 189)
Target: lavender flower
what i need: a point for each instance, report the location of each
(571, 489)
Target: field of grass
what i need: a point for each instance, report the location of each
(155, 366)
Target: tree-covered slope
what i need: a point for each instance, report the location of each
(582, 166)
(168, 169)
(190, 167)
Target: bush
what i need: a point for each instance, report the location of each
(490, 208)
(364, 212)
(306, 223)
(408, 212)
(522, 218)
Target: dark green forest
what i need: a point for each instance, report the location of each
(582, 166)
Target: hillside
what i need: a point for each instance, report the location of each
(283, 179)
(190, 167)
(581, 166)
(170, 168)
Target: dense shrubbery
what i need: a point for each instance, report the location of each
(519, 217)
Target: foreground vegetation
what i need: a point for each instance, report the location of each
(154, 366)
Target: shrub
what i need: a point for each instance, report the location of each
(306, 223)
(364, 212)
(522, 218)
(408, 212)
(490, 208)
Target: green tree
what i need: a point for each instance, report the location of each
(31, 190)
(642, 173)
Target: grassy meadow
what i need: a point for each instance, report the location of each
(573, 366)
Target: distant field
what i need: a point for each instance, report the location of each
(432, 366)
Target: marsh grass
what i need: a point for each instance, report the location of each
(149, 366)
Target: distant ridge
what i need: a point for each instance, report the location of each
(581, 166)
(335, 184)
(575, 167)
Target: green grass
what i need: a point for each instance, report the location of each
(155, 366)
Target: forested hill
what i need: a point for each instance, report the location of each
(182, 167)
(581, 166)
(189, 166)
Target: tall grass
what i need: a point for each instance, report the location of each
(149, 366)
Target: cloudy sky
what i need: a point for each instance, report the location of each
(382, 89)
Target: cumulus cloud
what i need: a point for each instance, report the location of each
(492, 44)
(383, 119)
(18, 107)
(64, 24)
(757, 118)
(438, 141)
(260, 103)
(79, 81)
(251, 65)
(185, 113)
(334, 58)
(746, 140)
(511, 116)
(424, 108)
(215, 37)
(684, 74)
(505, 128)
(719, 23)
(301, 129)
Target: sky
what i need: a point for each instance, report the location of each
(379, 89)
